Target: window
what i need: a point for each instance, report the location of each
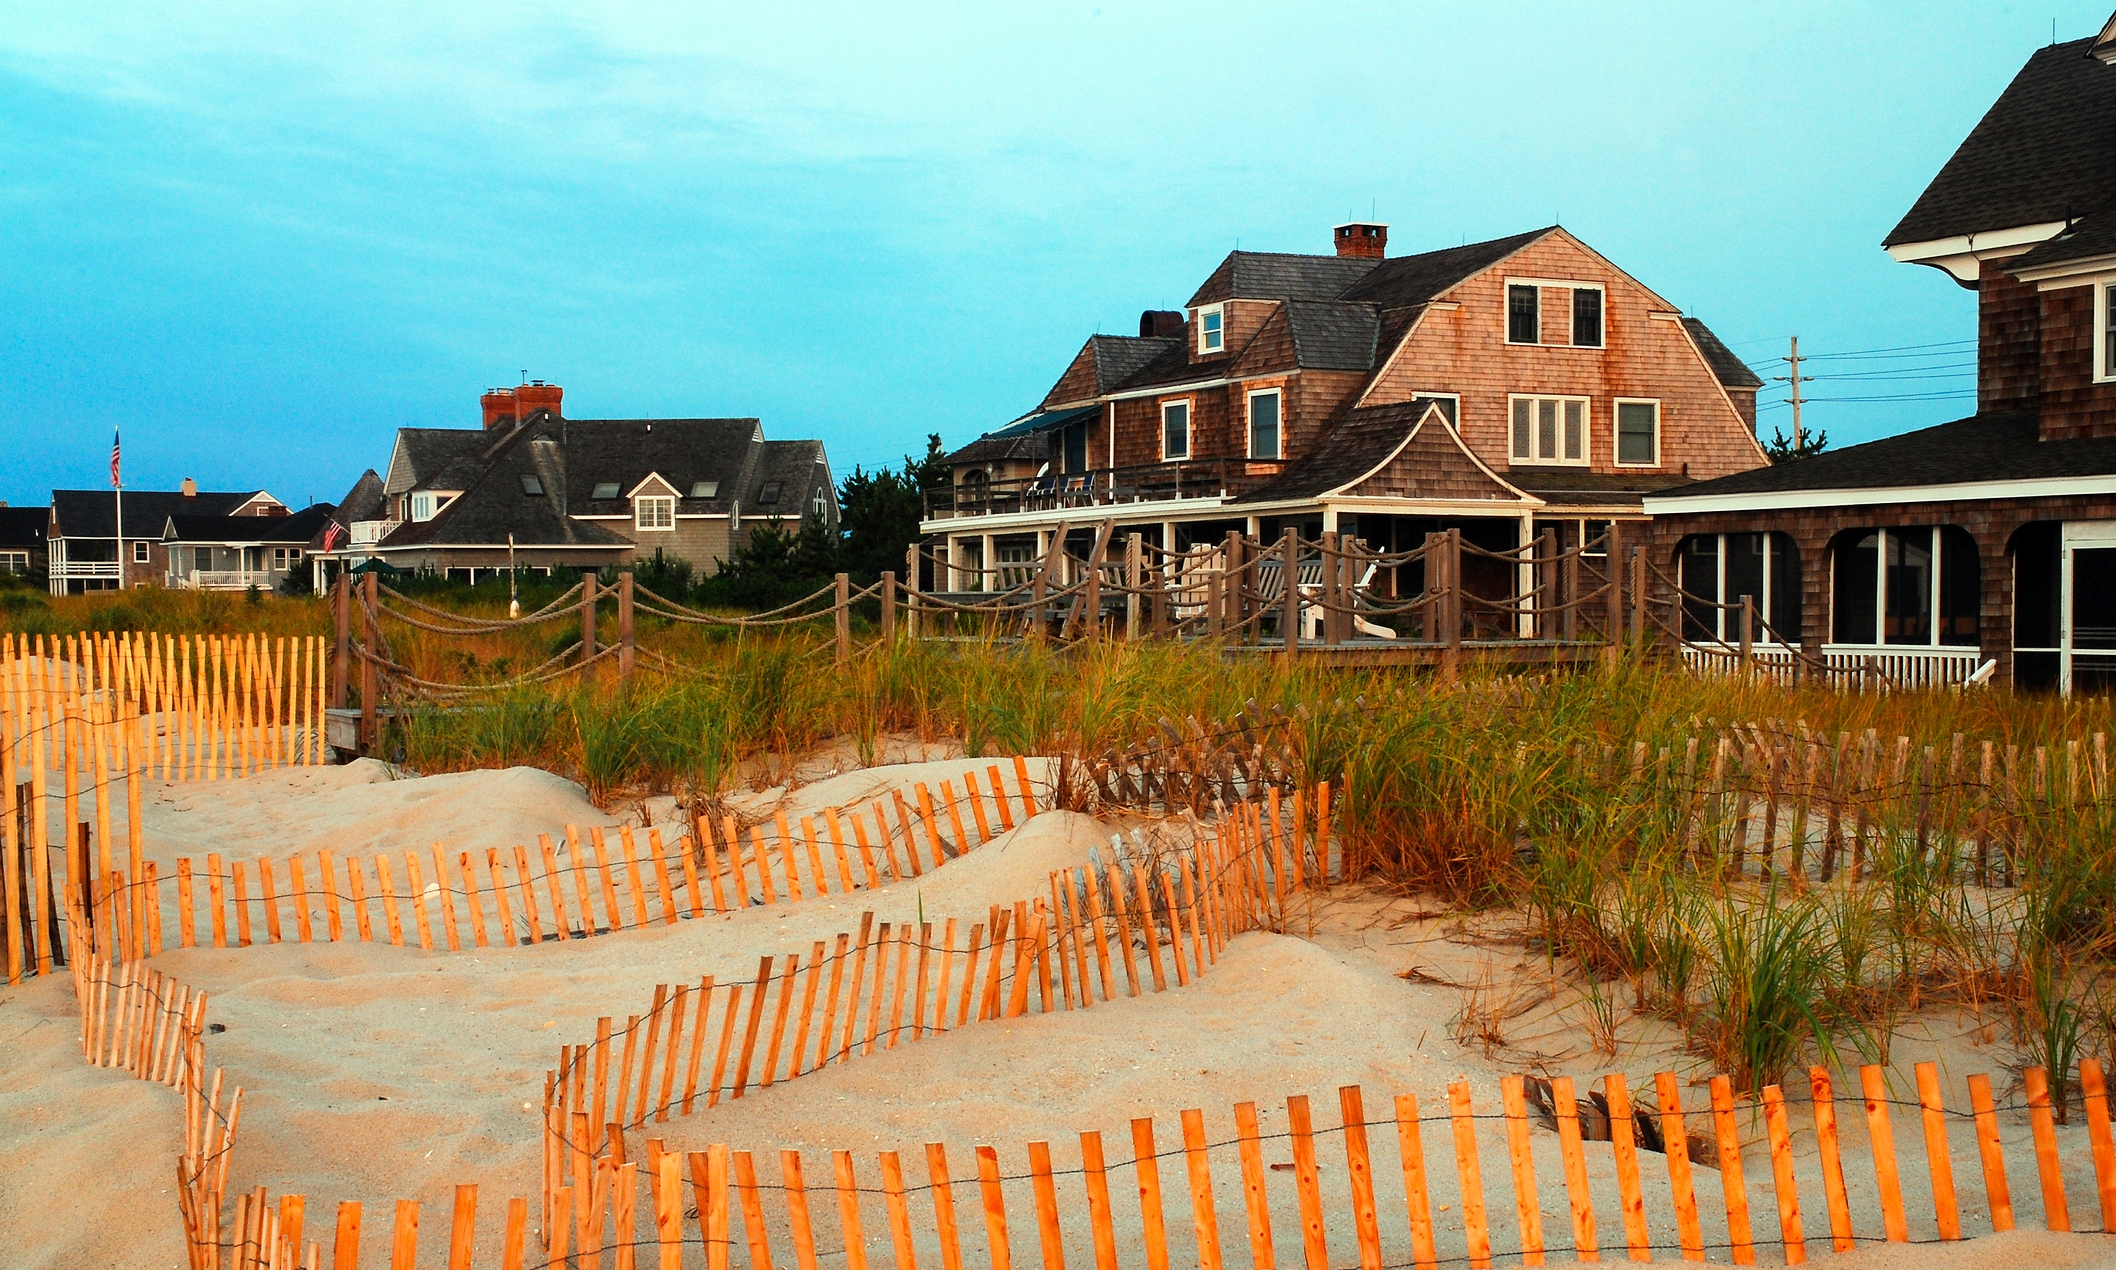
(1175, 430)
(1721, 568)
(1916, 586)
(1549, 430)
(422, 506)
(139, 553)
(1637, 433)
(654, 511)
(532, 485)
(202, 559)
(1264, 424)
(1594, 538)
(819, 506)
(14, 562)
(1524, 317)
(1587, 317)
(284, 558)
(770, 493)
(1212, 332)
(2105, 332)
(705, 489)
(604, 490)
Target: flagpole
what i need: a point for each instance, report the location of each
(120, 488)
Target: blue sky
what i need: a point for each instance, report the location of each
(260, 238)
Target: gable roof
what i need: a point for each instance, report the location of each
(23, 526)
(2045, 151)
(1367, 439)
(295, 530)
(1117, 357)
(1730, 370)
(93, 513)
(423, 453)
(496, 505)
(1278, 275)
(622, 452)
(794, 464)
(1402, 280)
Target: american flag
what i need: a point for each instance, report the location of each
(332, 532)
(113, 460)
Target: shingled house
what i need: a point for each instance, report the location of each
(1990, 539)
(184, 537)
(551, 493)
(1501, 387)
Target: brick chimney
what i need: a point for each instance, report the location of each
(499, 407)
(537, 395)
(190, 488)
(1362, 239)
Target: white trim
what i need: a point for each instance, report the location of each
(1249, 425)
(656, 502)
(1963, 255)
(1872, 496)
(2104, 368)
(1586, 458)
(653, 476)
(1506, 312)
(1616, 440)
(1198, 316)
(1190, 419)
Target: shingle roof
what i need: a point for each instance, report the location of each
(2092, 236)
(2045, 151)
(92, 513)
(496, 505)
(622, 452)
(1271, 275)
(1729, 369)
(296, 529)
(1560, 486)
(428, 451)
(23, 526)
(1173, 366)
(1363, 442)
(1403, 280)
(794, 465)
(1985, 447)
(1332, 336)
(1118, 357)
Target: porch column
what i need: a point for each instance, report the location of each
(1256, 526)
(1814, 589)
(990, 563)
(1525, 581)
(1329, 519)
(1995, 587)
(954, 575)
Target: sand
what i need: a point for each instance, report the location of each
(377, 1073)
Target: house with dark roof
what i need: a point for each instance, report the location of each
(227, 540)
(1503, 388)
(533, 489)
(1986, 543)
(22, 550)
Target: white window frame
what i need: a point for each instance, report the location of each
(14, 562)
(1536, 401)
(820, 506)
(664, 518)
(1616, 445)
(1219, 311)
(1190, 420)
(1726, 622)
(1249, 424)
(422, 506)
(1506, 312)
(2104, 356)
(139, 551)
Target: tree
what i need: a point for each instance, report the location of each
(1782, 450)
(880, 511)
(776, 566)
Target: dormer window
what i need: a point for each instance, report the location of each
(705, 489)
(1212, 332)
(425, 504)
(654, 511)
(604, 490)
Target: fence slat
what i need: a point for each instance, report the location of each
(1677, 1140)
(1733, 1183)
(1998, 1196)
(1470, 1175)
(2056, 1214)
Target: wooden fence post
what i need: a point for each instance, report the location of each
(841, 613)
(1134, 582)
(1234, 603)
(1613, 621)
(369, 677)
(341, 659)
(587, 627)
(1451, 599)
(625, 652)
(1289, 596)
(888, 608)
(1638, 595)
(1546, 624)
(1748, 627)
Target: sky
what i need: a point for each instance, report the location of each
(259, 238)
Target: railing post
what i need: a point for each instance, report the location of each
(1134, 583)
(1638, 596)
(1546, 624)
(889, 608)
(911, 586)
(624, 628)
(1613, 565)
(1234, 597)
(1326, 591)
(369, 674)
(342, 658)
(841, 614)
(1748, 627)
(1569, 582)
(1451, 600)
(1289, 598)
(588, 644)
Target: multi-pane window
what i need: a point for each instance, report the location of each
(1175, 430)
(1212, 330)
(1721, 568)
(202, 559)
(819, 506)
(1264, 424)
(14, 562)
(139, 553)
(1638, 433)
(1549, 429)
(284, 558)
(1586, 317)
(1906, 586)
(1524, 315)
(654, 511)
(2108, 331)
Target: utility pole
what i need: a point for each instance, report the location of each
(1795, 378)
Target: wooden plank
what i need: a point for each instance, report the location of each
(450, 920)
(1307, 1179)
(760, 857)
(576, 856)
(893, 1199)
(800, 1226)
(390, 916)
(687, 851)
(1001, 1255)
(745, 1176)
(1100, 1224)
(473, 900)
(977, 807)
(1998, 1195)
(852, 995)
(698, 1035)
(1359, 1168)
(356, 882)
(1873, 1084)
(214, 895)
(1783, 1184)
(327, 873)
(1677, 1138)
(881, 980)
(662, 888)
(1144, 900)
(1470, 1175)
(555, 890)
(1256, 1200)
(778, 1022)
(1047, 1229)
(1624, 1150)
(271, 900)
(528, 889)
(962, 840)
(830, 1007)
(345, 1245)
(404, 1236)
(714, 1211)
(1832, 1163)
(1153, 1218)
(1120, 907)
(759, 991)
(628, 848)
(186, 914)
(1939, 1160)
(609, 881)
(1528, 1211)
(1733, 1183)
(1027, 788)
(663, 1104)
(2056, 1212)
(1417, 1198)
(947, 967)
(462, 1230)
(1576, 1188)
(1204, 1221)
(786, 856)
(942, 1190)
(808, 1009)
(2094, 1093)
(668, 1209)
(624, 1071)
